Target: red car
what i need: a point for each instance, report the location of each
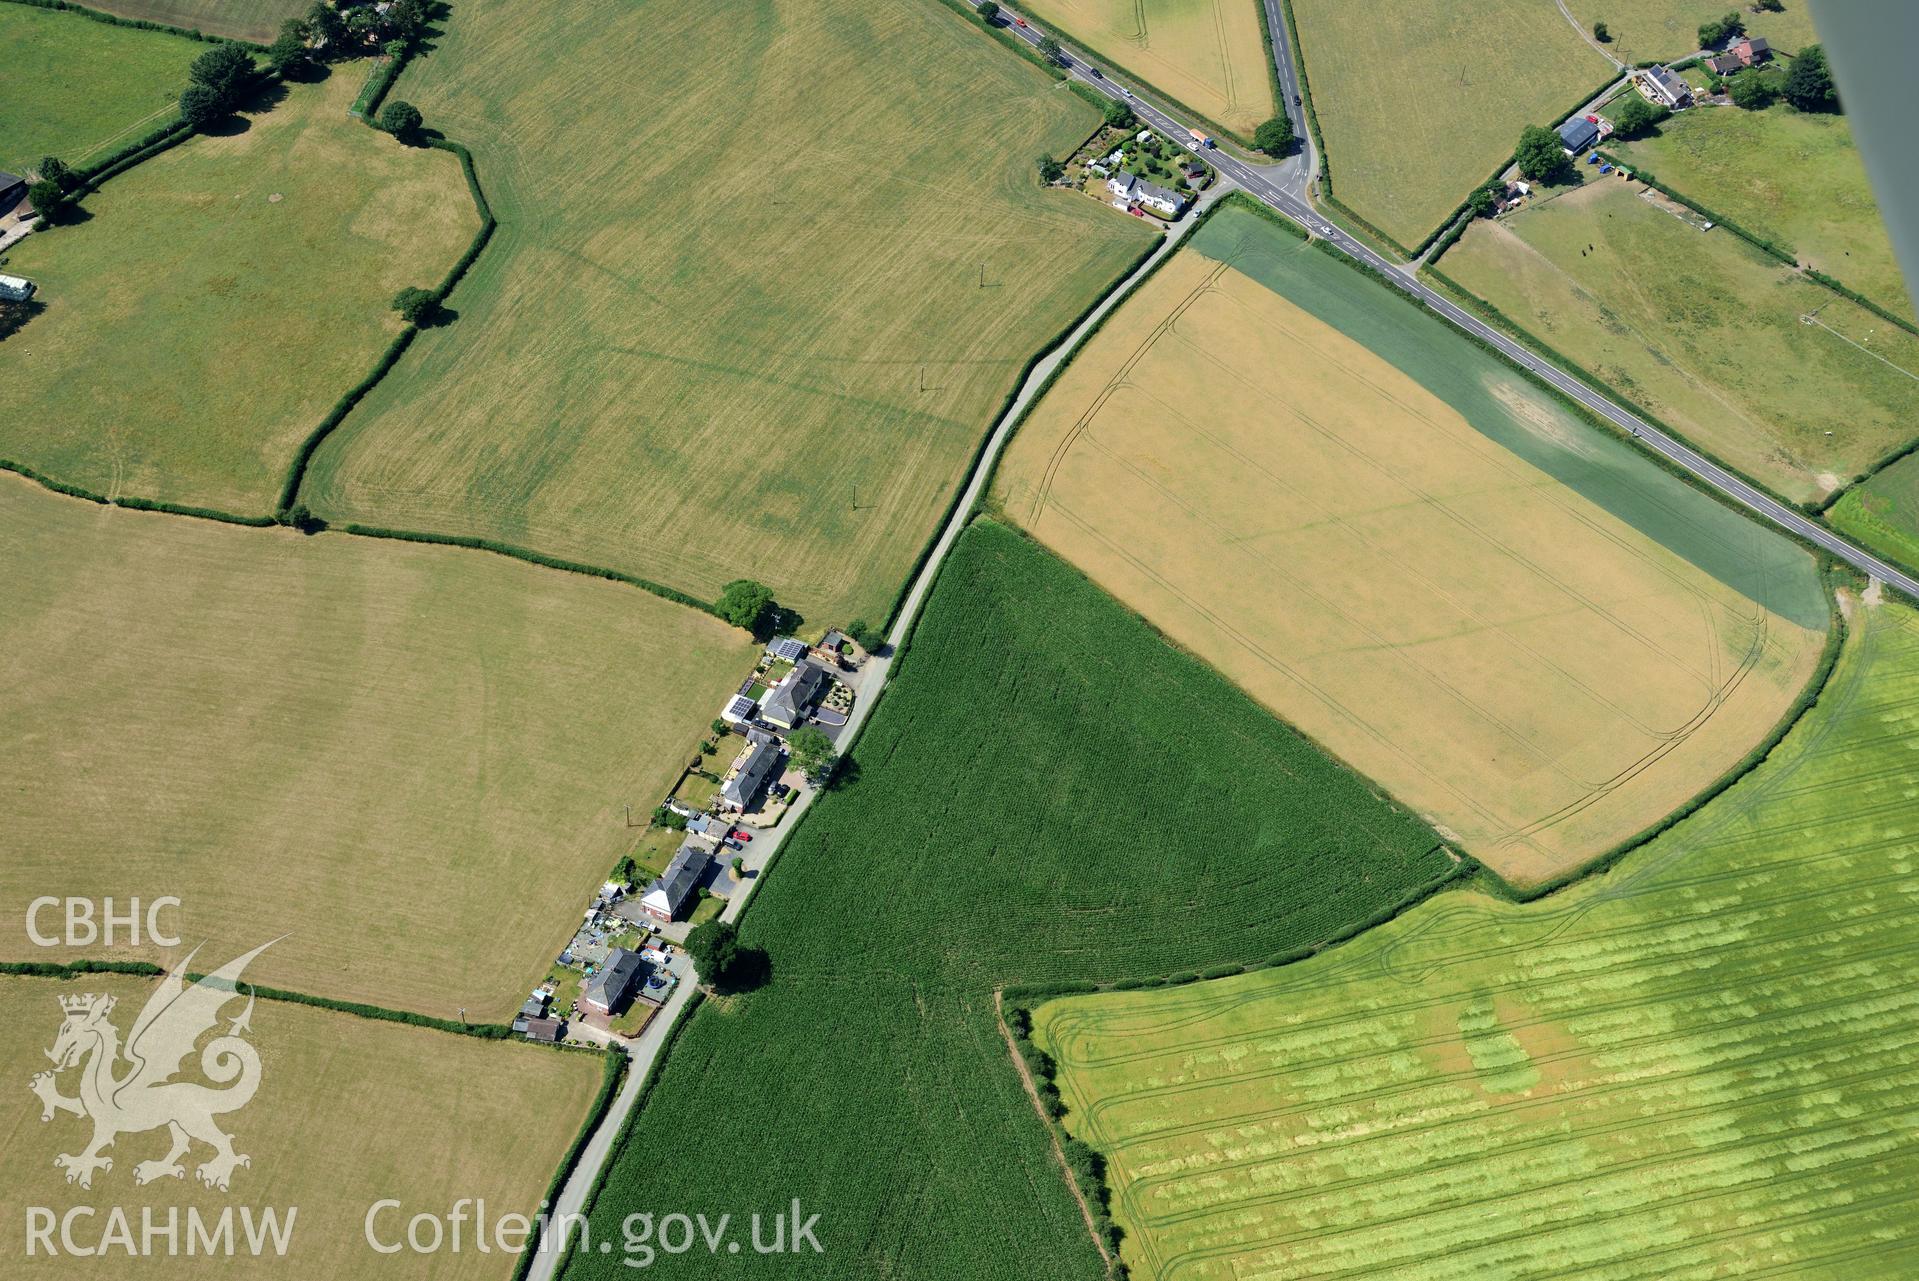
(739, 834)
(1019, 22)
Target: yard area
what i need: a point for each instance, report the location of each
(1788, 176)
(1397, 155)
(77, 89)
(1209, 55)
(252, 272)
(1703, 330)
(378, 748)
(787, 312)
(1518, 627)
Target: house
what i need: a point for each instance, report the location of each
(1578, 134)
(711, 826)
(1752, 50)
(738, 708)
(13, 189)
(790, 648)
(666, 898)
(546, 1031)
(1725, 64)
(1136, 190)
(742, 791)
(14, 289)
(607, 990)
(795, 696)
(1662, 87)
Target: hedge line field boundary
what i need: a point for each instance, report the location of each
(615, 1069)
(136, 24)
(133, 504)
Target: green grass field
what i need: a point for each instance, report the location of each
(1419, 102)
(255, 20)
(1883, 513)
(1703, 330)
(1697, 1065)
(1049, 791)
(757, 292)
(131, 84)
(1210, 55)
(251, 275)
(349, 1111)
(1643, 29)
(412, 760)
(1788, 176)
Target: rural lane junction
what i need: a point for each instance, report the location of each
(1282, 187)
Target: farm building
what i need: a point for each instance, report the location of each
(607, 990)
(790, 648)
(13, 189)
(1578, 134)
(744, 788)
(545, 1031)
(1662, 87)
(1136, 190)
(14, 289)
(666, 898)
(795, 696)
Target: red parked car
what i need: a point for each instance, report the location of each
(740, 834)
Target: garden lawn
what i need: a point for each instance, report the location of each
(379, 749)
(1669, 29)
(1209, 55)
(77, 89)
(1786, 175)
(349, 1111)
(220, 297)
(1883, 513)
(1039, 797)
(765, 272)
(255, 20)
(1515, 623)
(1420, 102)
(1703, 330)
(1698, 1065)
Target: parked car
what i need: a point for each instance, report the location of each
(741, 834)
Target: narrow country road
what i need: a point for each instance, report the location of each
(1279, 186)
(646, 1049)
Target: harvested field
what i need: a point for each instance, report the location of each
(349, 1111)
(1698, 1065)
(1703, 330)
(1397, 154)
(1210, 55)
(252, 274)
(131, 85)
(1643, 29)
(255, 20)
(1811, 194)
(1883, 513)
(763, 323)
(1517, 626)
(387, 751)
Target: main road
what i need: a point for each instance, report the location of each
(1282, 187)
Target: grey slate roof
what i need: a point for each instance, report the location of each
(761, 764)
(682, 876)
(791, 699)
(791, 648)
(1137, 188)
(609, 984)
(1578, 133)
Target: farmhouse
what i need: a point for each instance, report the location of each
(1662, 87)
(1578, 134)
(14, 289)
(795, 696)
(744, 788)
(1136, 190)
(668, 896)
(607, 990)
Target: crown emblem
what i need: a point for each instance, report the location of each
(85, 1003)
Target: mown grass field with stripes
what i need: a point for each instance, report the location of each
(1048, 792)
(765, 271)
(1210, 55)
(1514, 623)
(1701, 1064)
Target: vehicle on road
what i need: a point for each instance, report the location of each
(1128, 92)
(1094, 72)
(1019, 22)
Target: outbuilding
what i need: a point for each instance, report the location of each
(1578, 134)
(15, 289)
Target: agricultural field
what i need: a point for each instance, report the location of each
(1516, 625)
(1644, 29)
(1048, 792)
(389, 752)
(1210, 55)
(255, 20)
(349, 1111)
(1809, 194)
(1703, 330)
(132, 85)
(1883, 513)
(252, 273)
(1697, 1065)
(760, 327)
(1420, 102)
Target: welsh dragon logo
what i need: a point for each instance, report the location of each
(131, 1089)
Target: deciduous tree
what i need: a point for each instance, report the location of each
(1636, 116)
(415, 305)
(1049, 49)
(401, 119)
(747, 604)
(1601, 34)
(1809, 85)
(812, 751)
(1050, 170)
(987, 11)
(1275, 136)
(1540, 155)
